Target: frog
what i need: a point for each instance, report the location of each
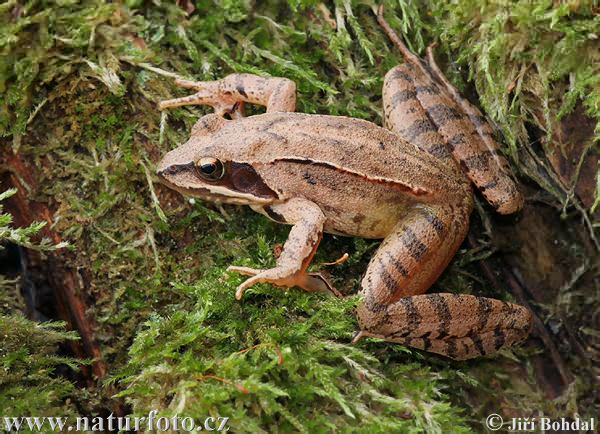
(408, 182)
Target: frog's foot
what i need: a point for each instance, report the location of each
(228, 95)
(281, 276)
(207, 93)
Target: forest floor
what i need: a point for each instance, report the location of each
(142, 284)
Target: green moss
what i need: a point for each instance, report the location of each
(275, 359)
(28, 363)
(29, 384)
(80, 82)
(532, 62)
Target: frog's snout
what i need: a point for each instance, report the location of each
(173, 163)
(170, 172)
(174, 169)
(164, 172)
(161, 168)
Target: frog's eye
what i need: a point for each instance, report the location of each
(210, 168)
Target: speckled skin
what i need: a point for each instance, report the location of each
(351, 177)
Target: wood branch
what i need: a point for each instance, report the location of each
(66, 283)
(546, 377)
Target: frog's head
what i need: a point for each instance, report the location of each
(205, 169)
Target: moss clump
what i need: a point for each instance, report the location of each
(275, 359)
(29, 384)
(532, 63)
(28, 361)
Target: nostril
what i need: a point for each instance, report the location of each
(162, 168)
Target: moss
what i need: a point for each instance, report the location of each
(29, 384)
(532, 63)
(80, 82)
(28, 381)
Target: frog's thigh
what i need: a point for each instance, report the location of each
(298, 250)
(459, 326)
(413, 256)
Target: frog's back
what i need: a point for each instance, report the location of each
(352, 145)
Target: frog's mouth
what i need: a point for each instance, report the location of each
(241, 185)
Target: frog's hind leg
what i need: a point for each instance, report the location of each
(415, 253)
(228, 95)
(406, 264)
(459, 326)
(425, 109)
(502, 191)
(483, 127)
(405, 115)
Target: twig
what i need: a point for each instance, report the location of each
(223, 380)
(518, 291)
(277, 350)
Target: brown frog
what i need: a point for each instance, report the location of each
(405, 184)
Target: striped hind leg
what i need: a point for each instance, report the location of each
(415, 253)
(424, 112)
(406, 264)
(483, 128)
(404, 114)
(423, 107)
(459, 326)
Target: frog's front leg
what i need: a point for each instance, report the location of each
(298, 250)
(408, 261)
(228, 95)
